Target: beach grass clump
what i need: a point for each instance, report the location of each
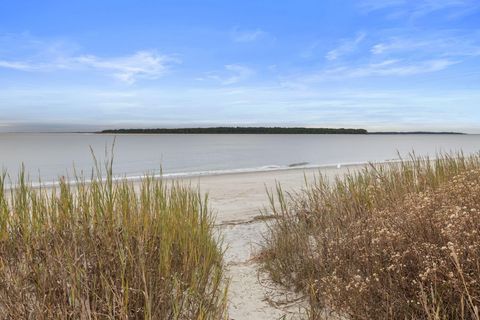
(391, 241)
(108, 249)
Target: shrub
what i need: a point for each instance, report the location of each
(105, 250)
(397, 241)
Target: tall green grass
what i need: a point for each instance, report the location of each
(390, 241)
(106, 249)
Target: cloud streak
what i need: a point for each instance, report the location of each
(396, 55)
(420, 8)
(128, 69)
(346, 46)
(442, 44)
(17, 65)
(385, 68)
(391, 68)
(247, 35)
(232, 74)
(238, 73)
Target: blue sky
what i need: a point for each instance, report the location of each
(375, 64)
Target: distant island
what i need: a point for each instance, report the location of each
(261, 130)
(240, 130)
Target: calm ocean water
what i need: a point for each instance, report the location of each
(51, 155)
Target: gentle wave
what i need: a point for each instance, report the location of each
(193, 174)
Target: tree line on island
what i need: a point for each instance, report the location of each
(257, 130)
(240, 130)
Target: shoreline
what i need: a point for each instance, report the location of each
(189, 175)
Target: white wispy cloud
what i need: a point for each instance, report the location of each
(394, 68)
(438, 44)
(232, 74)
(128, 69)
(24, 52)
(455, 8)
(385, 68)
(420, 8)
(346, 46)
(16, 65)
(238, 73)
(140, 65)
(397, 53)
(309, 51)
(373, 5)
(247, 35)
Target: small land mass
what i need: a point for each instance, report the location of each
(241, 130)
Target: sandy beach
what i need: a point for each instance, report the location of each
(238, 200)
(239, 197)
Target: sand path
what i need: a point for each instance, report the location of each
(238, 200)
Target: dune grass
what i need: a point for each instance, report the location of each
(108, 249)
(391, 241)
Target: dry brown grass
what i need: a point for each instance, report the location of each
(398, 241)
(103, 250)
